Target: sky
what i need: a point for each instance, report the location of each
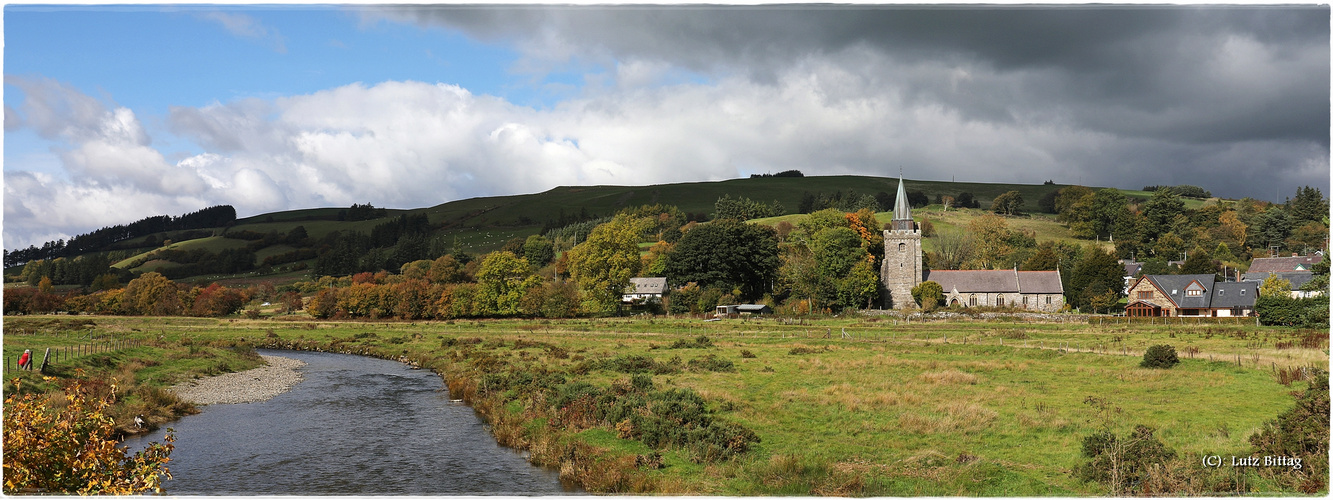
(115, 113)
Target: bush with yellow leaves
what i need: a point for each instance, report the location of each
(63, 444)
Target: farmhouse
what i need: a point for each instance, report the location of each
(644, 290)
(1191, 295)
(902, 270)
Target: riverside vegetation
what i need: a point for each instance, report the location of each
(967, 406)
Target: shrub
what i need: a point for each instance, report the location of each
(70, 449)
(1160, 356)
(702, 342)
(1300, 432)
(712, 363)
(928, 295)
(806, 350)
(676, 417)
(1282, 310)
(637, 364)
(745, 353)
(1123, 464)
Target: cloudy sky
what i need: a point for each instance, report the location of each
(117, 113)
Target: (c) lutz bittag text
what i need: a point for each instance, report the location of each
(1264, 461)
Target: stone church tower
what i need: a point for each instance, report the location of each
(901, 269)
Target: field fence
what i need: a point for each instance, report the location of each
(1172, 320)
(43, 356)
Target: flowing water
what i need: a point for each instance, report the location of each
(354, 425)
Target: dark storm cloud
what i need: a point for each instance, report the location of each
(1185, 76)
(1140, 58)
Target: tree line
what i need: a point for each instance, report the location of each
(217, 216)
(151, 294)
(1161, 229)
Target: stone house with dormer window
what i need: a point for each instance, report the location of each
(1191, 295)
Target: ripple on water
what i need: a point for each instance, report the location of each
(354, 425)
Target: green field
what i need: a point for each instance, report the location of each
(966, 407)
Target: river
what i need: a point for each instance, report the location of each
(354, 426)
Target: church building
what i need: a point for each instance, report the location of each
(902, 270)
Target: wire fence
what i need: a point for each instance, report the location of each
(43, 356)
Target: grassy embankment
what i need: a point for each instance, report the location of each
(933, 408)
(126, 354)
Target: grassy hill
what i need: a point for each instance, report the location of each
(480, 225)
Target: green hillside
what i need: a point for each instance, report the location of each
(696, 197)
(480, 225)
(1043, 226)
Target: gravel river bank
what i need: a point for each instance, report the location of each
(254, 385)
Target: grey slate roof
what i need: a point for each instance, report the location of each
(1235, 294)
(646, 285)
(1040, 282)
(1174, 287)
(1216, 295)
(1284, 264)
(753, 308)
(1133, 268)
(997, 281)
(1297, 278)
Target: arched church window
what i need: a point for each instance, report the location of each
(972, 300)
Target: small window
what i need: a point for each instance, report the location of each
(1048, 300)
(902, 247)
(1145, 294)
(1193, 293)
(999, 300)
(972, 301)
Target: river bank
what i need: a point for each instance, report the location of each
(254, 385)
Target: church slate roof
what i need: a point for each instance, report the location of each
(1040, 282)
(997, 281)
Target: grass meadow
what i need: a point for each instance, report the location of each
(966, 406)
